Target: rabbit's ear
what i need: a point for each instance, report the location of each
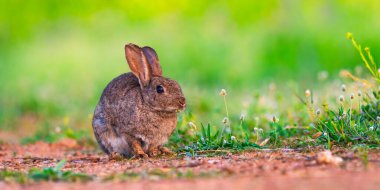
(152, 57)
(138, 64)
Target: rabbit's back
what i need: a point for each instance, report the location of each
(119, 87)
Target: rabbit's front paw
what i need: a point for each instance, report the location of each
(153, 152)
(137, 150)
(165, 150)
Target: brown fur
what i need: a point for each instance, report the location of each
(132, 118)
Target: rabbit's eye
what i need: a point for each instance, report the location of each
(159, 89)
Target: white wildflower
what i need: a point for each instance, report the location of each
(341, 98)
(225, 121)
(192, 125)
(343, 88)
(242, 117)
(223, 92)
(307, 93)
(318, 112)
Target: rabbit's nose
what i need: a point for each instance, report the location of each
(182, 102)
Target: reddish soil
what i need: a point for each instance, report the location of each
(258, 169)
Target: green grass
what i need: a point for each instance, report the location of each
(13, 176)
(157, 174)
(51, 174)
(348, 118)
(46, 174)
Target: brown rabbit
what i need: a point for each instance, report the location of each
(137, 111)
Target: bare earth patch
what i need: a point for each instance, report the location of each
(256, 169)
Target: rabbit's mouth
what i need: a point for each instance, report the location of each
(181, 102)
(175, 109)
(171, 106)
(169, 109)
(181, 107)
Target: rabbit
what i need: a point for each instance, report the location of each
(137, 111)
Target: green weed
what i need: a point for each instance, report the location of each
(9, 176)
(158, 174)
(45, 174)
(57, 174)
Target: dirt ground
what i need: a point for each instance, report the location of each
(256, 169)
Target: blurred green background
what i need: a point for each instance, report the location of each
(57, 56)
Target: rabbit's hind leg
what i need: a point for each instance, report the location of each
(105, 135)
(109, 142)
(102, 133)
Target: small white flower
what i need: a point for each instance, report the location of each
(233, 138)
(341, 98)
(318, 112)
(378, 118)
(224, 141)
(242, 116)
(225, 121)
(261, 130)
(324, 134)
(223, 92)
(307, 93)
(255, 130)
(192, 125)
(343, 88)
(371, 128)
(359, 93)
(202, 139)
(352, 96)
